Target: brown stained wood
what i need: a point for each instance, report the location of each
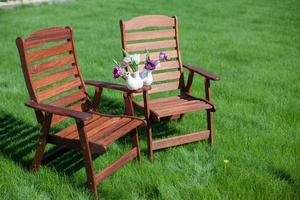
(116, 165)
(69, 99)
(149, 128)
(48, 52)
(55, 77)
(47, 35)
(146, 35)
(59, 111)
(178, 140)
(209, 112)
(163, 87)
(120, 132)
(167, 107)
(42, 142)
(97, 97)
(188, 87)
(174, 105)
(105, 132)
(87, 155)
(148, 21)
(51, 65)
(155, 55)
(60, 118)
(92, 131)
(166, 76)
(151, 45)
(185, 108)
(202, 72)
(56, 90)
(95, 121)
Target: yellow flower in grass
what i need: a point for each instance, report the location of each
(226, 162)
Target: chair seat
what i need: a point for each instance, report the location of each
(101, 131)
(175, 105)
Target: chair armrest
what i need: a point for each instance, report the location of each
(115, 86)
(83, 116)
(201, 72)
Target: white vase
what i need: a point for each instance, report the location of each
(133, 81)
(137, 77)
(146, 76)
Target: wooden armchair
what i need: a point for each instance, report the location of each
(168, 77)
(57, 93)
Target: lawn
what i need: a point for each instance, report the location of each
(253, 45)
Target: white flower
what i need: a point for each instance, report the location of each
(127, 59)
(135, 58)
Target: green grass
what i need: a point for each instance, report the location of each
(253, 45)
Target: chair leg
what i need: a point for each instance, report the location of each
(210, 126)
(87, 158)
(149, 141)
(135, 143)
(36, 163)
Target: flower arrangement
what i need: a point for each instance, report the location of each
(136, 79)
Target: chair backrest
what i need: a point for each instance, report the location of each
(156, 33)
(51, 70)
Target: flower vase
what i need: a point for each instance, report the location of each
(136, 76)
(133, 81)
(147, 77)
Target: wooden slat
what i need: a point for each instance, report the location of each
(182, 108)
(116, 165)
(109, 130)
(51, 65)
(97, 129)
(96, 120)
(58, 118)
(178, 140)
(56, 90)
(47, 35)
(155, 55)
(120, 132)
(166, 76)
(164, 87)
(69, 99)
(48, 52)
(164, 65)
(149, 21)
(55, 77)
(146, 35)
(151, 45)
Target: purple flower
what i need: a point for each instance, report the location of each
(163, 56)
(117, 72)
(151, 64)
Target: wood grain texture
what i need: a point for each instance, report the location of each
(179, 140)
(166, 76)
(55, 77)
(165, 44)
(147, 35)
(58, 89)
(47, 35)
(51, 65)
(149, 21)
(48, 52)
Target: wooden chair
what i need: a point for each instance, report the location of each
(168, 77)
(57, 93)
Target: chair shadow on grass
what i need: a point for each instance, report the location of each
(18, 139)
